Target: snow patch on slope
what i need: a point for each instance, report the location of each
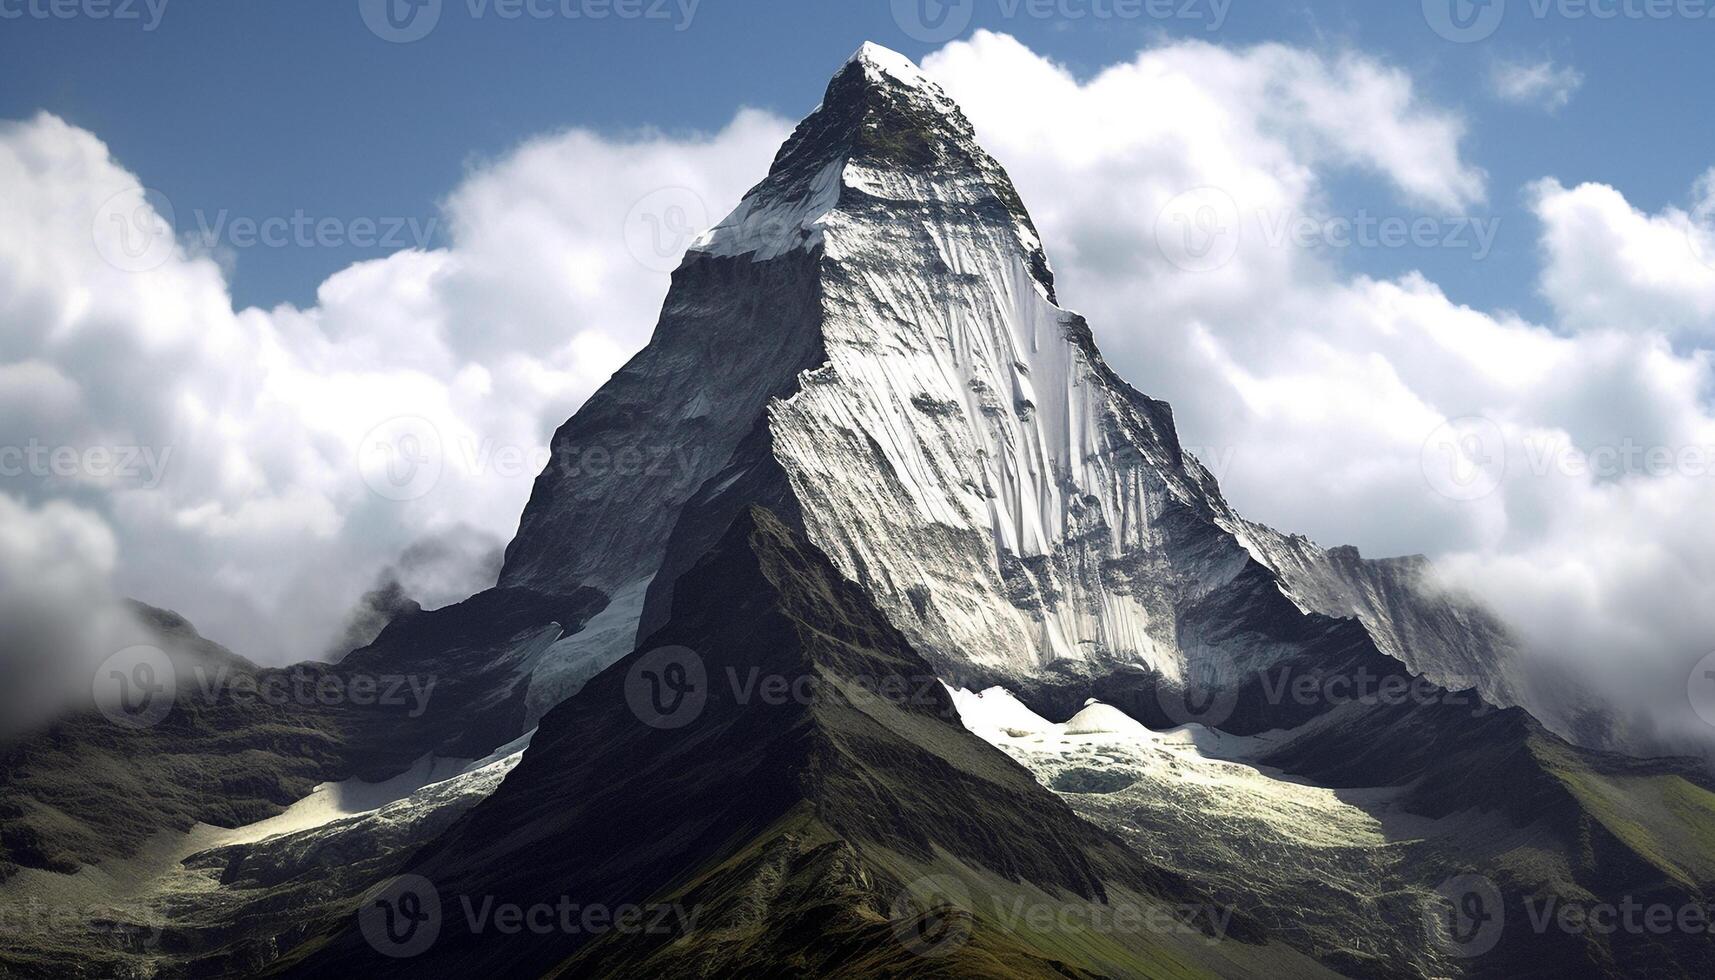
(329, 802)
(995, 712)
(1105, 719)
(767, 227)
(562, 669)
(1173, 770)
(1334, 868)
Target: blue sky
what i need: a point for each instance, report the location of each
(264, 108)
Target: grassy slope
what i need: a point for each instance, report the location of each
(1566, 823)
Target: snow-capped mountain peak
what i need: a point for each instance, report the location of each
(895, 375)
(885, 61)
(883, 131)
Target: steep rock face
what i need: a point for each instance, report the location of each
(895, 377)
(624, 465)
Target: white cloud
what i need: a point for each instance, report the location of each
(1319, 388)
(1608, 264)
(1541, 84)
(261, 528)
(58, 614)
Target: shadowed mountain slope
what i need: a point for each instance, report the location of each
(790, 829)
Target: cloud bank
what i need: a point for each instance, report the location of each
(1577, 510)
(259, 470)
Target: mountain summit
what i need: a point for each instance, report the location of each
(899, 470)
(871, 345)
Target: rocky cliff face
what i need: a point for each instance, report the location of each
(871, 345)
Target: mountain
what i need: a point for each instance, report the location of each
(871, 346)
(783, 831)
(721, 715)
